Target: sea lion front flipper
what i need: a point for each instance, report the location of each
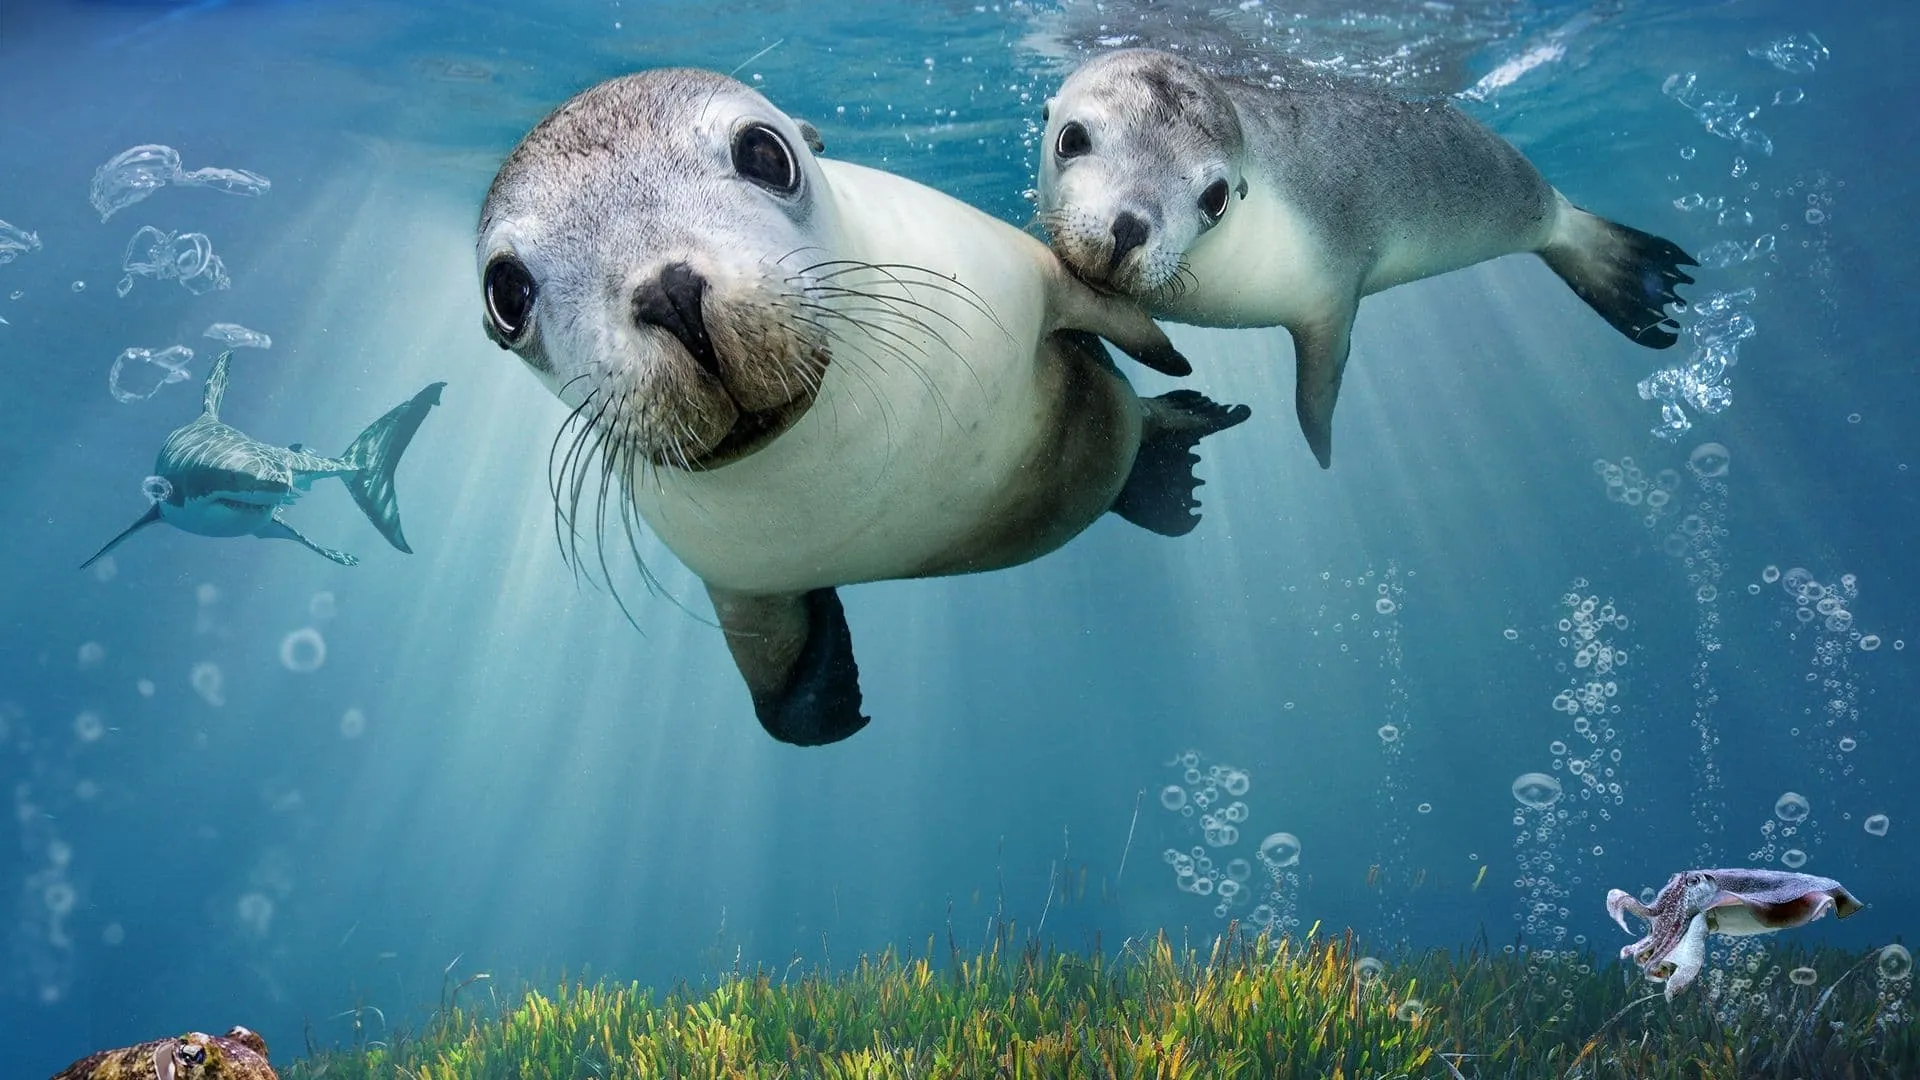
(278, 529)
(1124, 322)
(796, 655)
(1158, 495)
(1320, 362)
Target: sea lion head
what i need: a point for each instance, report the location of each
(650, 251)
(1141, 156)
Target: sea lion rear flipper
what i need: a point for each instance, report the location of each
(278, 529)
(1158, 495)
(796, 655)
(1320, 363)
(1626, 275)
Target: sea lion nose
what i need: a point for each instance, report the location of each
(672, 302)
(1129, 232)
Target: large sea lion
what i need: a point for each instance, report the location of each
(1220, 202)
(802, 374)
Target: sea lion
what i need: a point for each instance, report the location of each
(214, 480)
(1220, 202)
(240, 1054)
(801, 373)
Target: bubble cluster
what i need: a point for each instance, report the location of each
(1894, 969)
(1796, 54)
(1719, 323)
(1207, 800)
(1803, 976)
(1559, 811)
(41, 962)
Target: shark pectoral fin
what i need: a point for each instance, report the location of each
(796, 655)
(150, 517)
(278, 529)
(216, 386)
(1320, 363)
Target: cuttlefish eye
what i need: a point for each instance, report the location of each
(510, 292)
(1073, 141)
(193, 1054)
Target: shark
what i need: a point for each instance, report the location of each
(218, 481)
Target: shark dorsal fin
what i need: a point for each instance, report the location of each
(216, 386)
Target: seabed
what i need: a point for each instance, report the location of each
(1251, 1006)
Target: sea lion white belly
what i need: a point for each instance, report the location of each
(894, 459)
(804, 374)
(1225, 203)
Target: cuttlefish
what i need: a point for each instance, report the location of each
(238, 1055)
(1732, 902)
(214, 480)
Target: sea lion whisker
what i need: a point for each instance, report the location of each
(896, 348)
(928, 280)
(596, 449)
(886, 301)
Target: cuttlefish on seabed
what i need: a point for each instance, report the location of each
(238, 1055)
(1732, 902)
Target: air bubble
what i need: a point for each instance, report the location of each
(303, 651)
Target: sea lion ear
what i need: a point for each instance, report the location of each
(1046, 111)
(1242, 189)
(811, 136)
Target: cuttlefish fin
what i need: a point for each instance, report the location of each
(151, 516)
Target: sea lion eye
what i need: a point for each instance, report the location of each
(761, 155)
(1213, 201)
(510, 292)
(1073, 141)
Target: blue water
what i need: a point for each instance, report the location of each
(492, 771)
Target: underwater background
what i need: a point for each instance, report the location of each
(249, 786)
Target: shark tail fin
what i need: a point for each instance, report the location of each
(150, 517)
(376, 454)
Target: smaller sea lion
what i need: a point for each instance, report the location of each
(1220, 202)
(240, 1054)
